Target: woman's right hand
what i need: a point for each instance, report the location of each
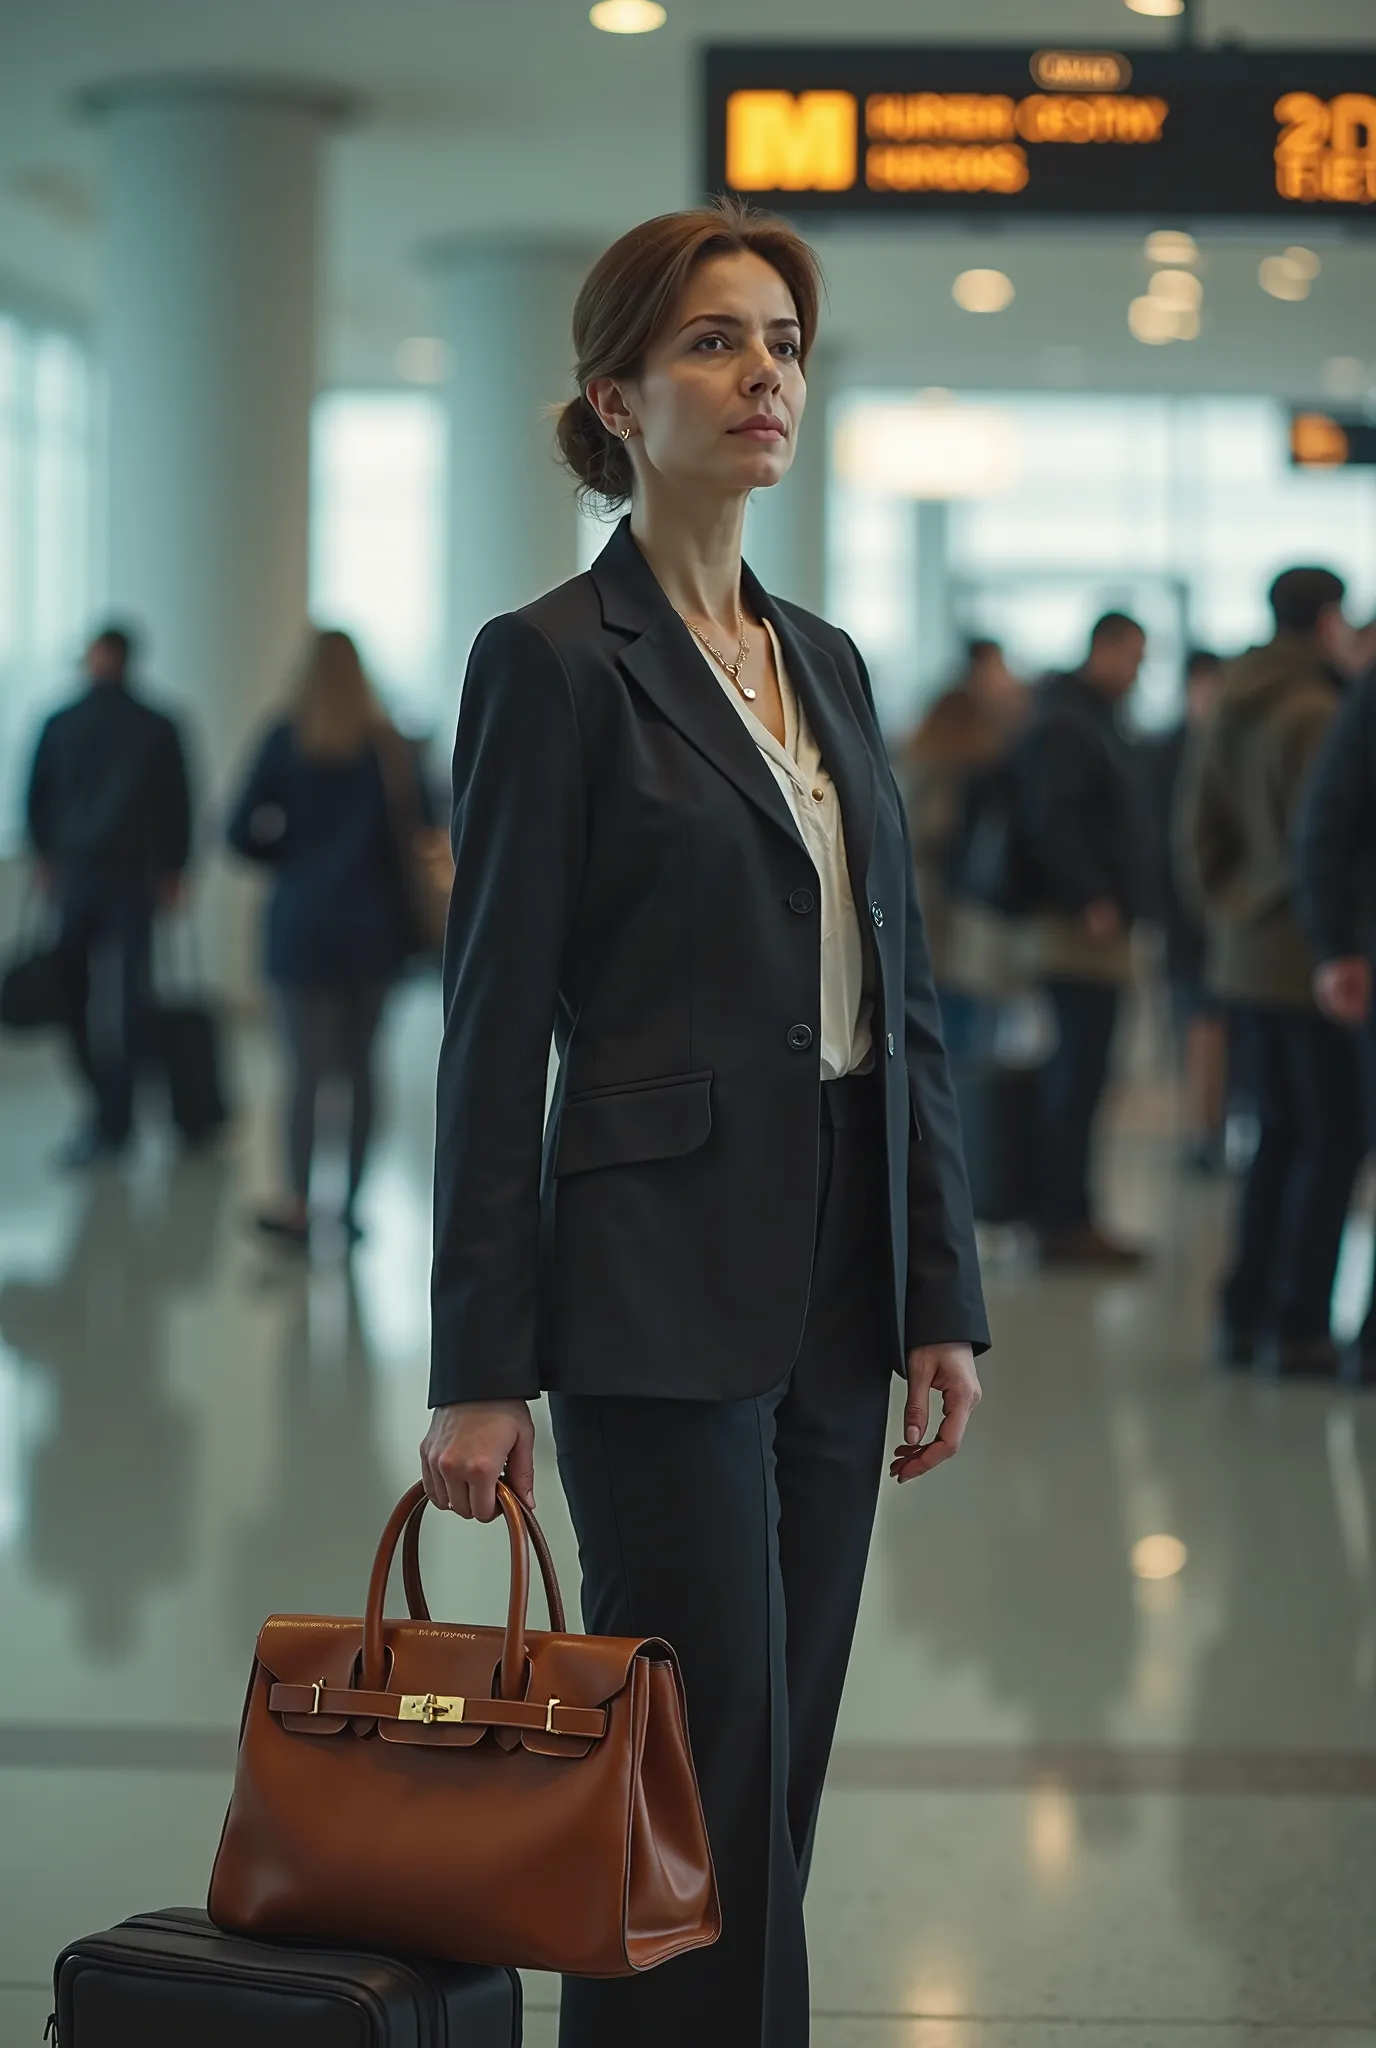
(469, 1446)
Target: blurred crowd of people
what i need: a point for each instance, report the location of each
(1050, 840)
(333, 803)
(1047, 837)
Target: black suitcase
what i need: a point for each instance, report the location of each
(172, 1980)
(1000, 1120)
(188, 1041)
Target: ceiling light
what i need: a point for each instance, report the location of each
(627, 17)
(1177, 288)
(1159, 1557)
(1152, 321)
(1159, 7)
(424, 359)
(983, 291)
(1303, 262)
(1281, 279)
(1171, 245)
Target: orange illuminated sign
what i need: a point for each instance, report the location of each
(1081, 70)
(782, 142)
(1327, 148)
(1171, 137)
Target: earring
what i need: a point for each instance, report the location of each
(625, 433)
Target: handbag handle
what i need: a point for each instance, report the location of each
(412, 1502)
(418, 1607)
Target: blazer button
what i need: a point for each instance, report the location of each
(890, 1043)
(801, 900)
(877, 913)
(799, 1037)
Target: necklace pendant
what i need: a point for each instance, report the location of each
(747, 692)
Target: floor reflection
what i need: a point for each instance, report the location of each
(310, 1550)
(111, 1475)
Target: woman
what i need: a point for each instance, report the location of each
(320, 807)
(671, 796)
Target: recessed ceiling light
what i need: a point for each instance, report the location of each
(1171, 245)
(1158, 7)
(1153, 321)
(627, 17)
(1159, 1557)
(1303, 261)
(1177, 288)
(1282, 279)
(983, 291)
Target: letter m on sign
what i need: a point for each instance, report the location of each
(787, 142)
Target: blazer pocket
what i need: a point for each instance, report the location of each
(644, 1120)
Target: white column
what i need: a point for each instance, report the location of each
(210, 310)
(937, 643)
(513, 526)
(786, 527)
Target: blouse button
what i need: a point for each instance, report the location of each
(819, 796)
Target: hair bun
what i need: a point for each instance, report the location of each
(596, 457)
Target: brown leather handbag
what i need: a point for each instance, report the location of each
(477, 1794)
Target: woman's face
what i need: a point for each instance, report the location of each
(720, 396)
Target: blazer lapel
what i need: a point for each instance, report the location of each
(831, 714)
(664, 659)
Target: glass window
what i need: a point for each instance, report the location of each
(45, 527)
(1179, 510)
(377, 539)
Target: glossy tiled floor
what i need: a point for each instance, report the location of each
(1071, 1807)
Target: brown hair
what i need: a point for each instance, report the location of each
(334, 710)
(627, 298)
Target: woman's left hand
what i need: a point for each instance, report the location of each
(950, 1369)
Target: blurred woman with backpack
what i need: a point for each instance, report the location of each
(332, 802)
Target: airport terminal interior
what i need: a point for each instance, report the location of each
(284, 301)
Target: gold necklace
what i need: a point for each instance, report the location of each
(733, 668)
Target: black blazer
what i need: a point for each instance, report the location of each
(629, 875)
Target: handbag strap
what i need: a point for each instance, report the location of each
(514, 1661)
(418, 1607)
(437, 1709)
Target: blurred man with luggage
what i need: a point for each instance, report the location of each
(109, 818)
(1244, 789)
(1337, 903)
(1078, 827)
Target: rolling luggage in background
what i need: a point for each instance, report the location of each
(188, 1050)
(186, 1040)
(1000, 1119)
(171, 1980)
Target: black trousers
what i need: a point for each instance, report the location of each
(739, 1531)
(105, 945)
(1306, 1074)
(330, 1031)
(1073, 1082)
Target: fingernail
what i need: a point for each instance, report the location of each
(912, 1434)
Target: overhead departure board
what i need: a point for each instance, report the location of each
(1159, 134)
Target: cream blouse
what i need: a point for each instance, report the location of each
(810, 794)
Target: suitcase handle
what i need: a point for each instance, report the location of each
(521, 1526)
